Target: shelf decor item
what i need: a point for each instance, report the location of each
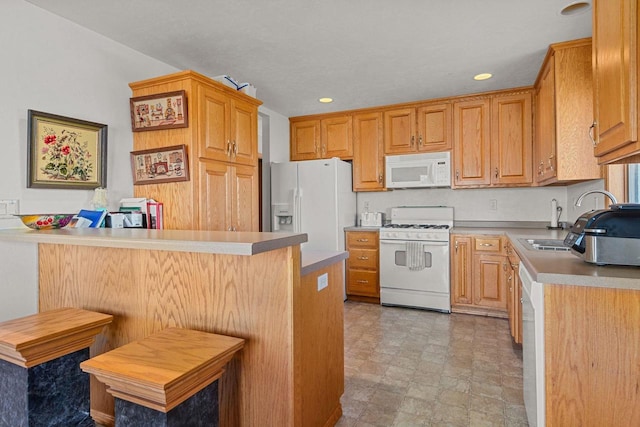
(159, 165)
(65, 152)
(161, 111)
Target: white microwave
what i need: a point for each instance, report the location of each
(418, 170)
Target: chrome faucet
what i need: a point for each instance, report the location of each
(606, 193)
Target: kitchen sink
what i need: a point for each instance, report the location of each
(545, 244)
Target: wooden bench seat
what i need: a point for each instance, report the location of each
(165, 369)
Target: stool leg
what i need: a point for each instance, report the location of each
(54, 393)
(200, 410)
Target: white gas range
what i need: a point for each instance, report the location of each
(414, 258)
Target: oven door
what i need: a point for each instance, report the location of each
(394, 272)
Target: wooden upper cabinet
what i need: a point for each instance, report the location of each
(564, 112)
(423, 129)
(615, 74)
(305, 140)
(322, 138)
(472, 142)
(400, 131)
(368, 152)
(511, 140)
(435, 132)
(336, 137)
(228, 128)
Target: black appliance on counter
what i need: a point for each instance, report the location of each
(608, 236)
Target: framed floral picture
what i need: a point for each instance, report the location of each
(160, 111)
(158, 165)
(65, 152)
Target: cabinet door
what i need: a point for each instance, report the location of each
(336, 137)
(244, 133)
(472, 139)
(215, 198)
(511, 142)
(489, 281)
(244, 182)
(305, 140)
(615, 73)
(400, 131)
(461, 270)
(368, 156)
(214, 124)
(435, 131)
(546, 124)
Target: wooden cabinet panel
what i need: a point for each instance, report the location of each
(244, 131)
(362, 266)
(337, 137)
(245, 189)
(228, 197)
(564, 112)
(305, 140)
(615, 73)
(368, 152)
(489, 281)
(461, 276)
(478, 275)
(400, 131)
(511, 141)
(214, 125)
(435, 131)
(472, 142)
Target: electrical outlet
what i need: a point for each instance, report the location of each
(323, 281)
(493, 204)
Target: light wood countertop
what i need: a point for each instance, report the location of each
(212, 242)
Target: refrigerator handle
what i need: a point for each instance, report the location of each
(298, 211)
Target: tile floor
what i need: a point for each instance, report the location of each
(407, 367)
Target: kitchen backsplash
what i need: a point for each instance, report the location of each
(499, 204)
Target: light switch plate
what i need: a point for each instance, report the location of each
(323, 281)
(8, 207)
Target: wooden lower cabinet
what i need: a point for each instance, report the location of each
(363, 282)
(478, 275)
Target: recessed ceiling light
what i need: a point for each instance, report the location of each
(325, 100)
(482, 76)
(575, 8)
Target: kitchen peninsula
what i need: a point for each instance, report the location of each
(256, 286)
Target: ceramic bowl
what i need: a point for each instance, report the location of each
(45, 221)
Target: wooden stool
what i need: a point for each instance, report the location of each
(40, 379)
(168, 379)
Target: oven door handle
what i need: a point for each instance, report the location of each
(402, 242)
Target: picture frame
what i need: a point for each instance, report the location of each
(160, 165)
(160, 111)
(65, 153)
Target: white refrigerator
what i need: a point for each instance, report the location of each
(313, 197)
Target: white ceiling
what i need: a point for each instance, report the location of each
(362, 53)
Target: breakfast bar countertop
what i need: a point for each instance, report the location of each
(213, 242)
(560, 267)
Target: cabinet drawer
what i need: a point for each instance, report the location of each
(487, 244)
(363, 283)
(364, 259)
(362, 239)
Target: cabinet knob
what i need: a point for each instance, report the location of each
(457, 174)
(413, 140)
(592, 129)
(420, 140)
(496, 173)
(380, 178)
(235, 148)
(228, 151)
(324, 150)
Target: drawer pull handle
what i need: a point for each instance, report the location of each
(363, 257)
(363, 240)
(362, 281)
(486, 244)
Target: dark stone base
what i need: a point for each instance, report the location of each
(54, 393)
(200, 410)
